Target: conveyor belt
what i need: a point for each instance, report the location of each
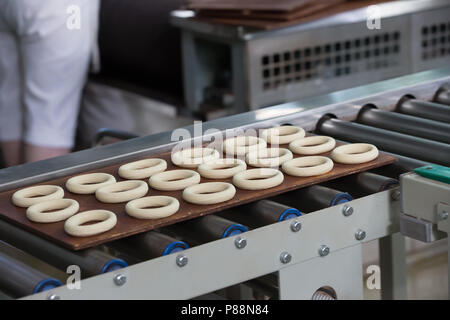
(128, 226)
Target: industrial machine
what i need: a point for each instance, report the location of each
(235, 69)
(303, 244)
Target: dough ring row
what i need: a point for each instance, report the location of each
(174, 180)
(74, 225)
(239, 146)
(282, 134)
(209, 193)
(355, 153)
(268, 158)
(123, 191)
(142, 169)
(193, 157)
(89, 183)
(307, 166)
(32, 195)
(52, 211)
(222, 168)
(312, 145)
(258, 179)
(154, 207)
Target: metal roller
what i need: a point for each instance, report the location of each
(314, 198)
(363, 184)
(19, 280)
(424, 109)
(403, 123)
(399, 143)
(403, 164)
(443, 95)
(91, 261)
(149, 245)
(206, 229)
(261, 213)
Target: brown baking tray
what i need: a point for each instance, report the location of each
(127, 226)
(269, 24)
(314, 7)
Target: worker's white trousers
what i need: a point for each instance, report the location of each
(45, 49)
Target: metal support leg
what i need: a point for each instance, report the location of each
(340, 270)
(393, 267)
(239, 77)
(192, 91)
(444, 225)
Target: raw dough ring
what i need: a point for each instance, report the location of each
(174, 180)
(89, 183)
(268, 158)
(214, 169)
(267, 178)
(243, 144)
(355, 153)
(32, 195)
(312, 145)
(122, 191)
(209, 193)
(308, 166)
(282, 134)
(74, 227)
(65, 208)
(164, 207)
(193, 157)
(142, 169)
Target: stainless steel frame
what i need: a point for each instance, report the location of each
(377, 215)
(259, 77)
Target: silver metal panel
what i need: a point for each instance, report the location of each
(421, 196)
(302, 280)
(326, 59)
(161, 278)
(430, 39)
(345, 104)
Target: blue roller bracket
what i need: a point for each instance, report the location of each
(289, 214)
(175, 246)
(114, 264)
(46, 284)
(341, 198)
(233, 230)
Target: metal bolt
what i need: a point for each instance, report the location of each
(443, 215)
(347, 210)
(396, 195)
(53, 296)
(285, 257)
(182, 260)
(324, 250)
(240, 242)
(296, 226)
(360, 234)
(120, 279)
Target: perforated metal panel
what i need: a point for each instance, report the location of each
(324, 60)
(431, 31)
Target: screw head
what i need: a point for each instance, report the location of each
(443, 215)
(240, 242)
(360, 234)
(324, 250)
(120, 279)
(296, 226)
(347, 210)
(53, 296)
(182, 260)
(285, 257)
